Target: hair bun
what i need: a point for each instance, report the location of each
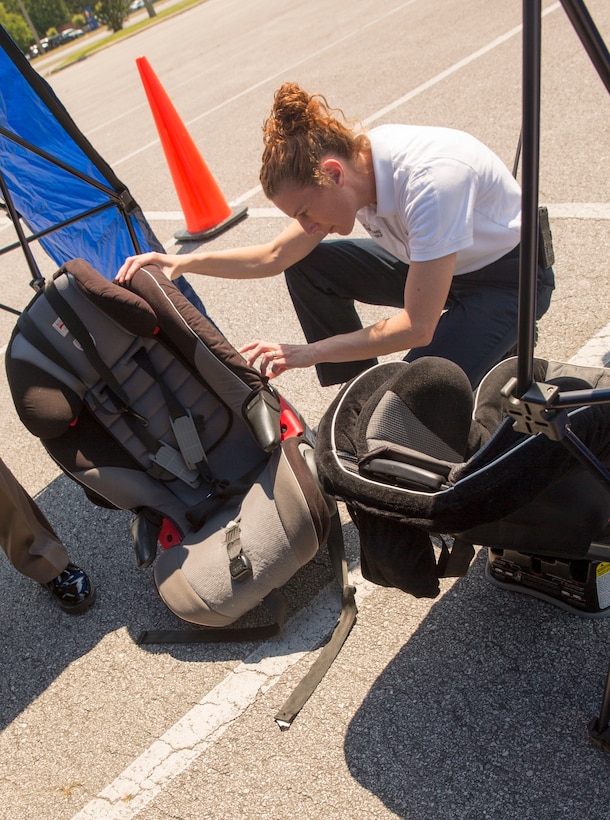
(300, 131)
(294, 110)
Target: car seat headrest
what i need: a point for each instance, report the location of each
(427, 406)
(122, 305)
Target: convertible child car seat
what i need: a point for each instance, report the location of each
(143, 402)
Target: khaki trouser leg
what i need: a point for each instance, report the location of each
(26, 536)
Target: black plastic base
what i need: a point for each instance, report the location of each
(201, 236)
(581, 587)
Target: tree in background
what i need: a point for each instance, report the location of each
(16, 26)
(75, 6)
(112, 13)
(45, 14)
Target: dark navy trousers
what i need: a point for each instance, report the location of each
(477, 329)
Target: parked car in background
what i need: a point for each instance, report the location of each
(49, 43)
(70, 34)
(56, 40)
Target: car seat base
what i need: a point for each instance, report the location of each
(581, 587)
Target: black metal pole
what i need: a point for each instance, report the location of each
(590, 37)
(528, 263)
(15, 218)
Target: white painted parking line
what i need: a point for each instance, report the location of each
(559, 210)
(596, 352)
(218, 710)
(178, 216)
(580, 210)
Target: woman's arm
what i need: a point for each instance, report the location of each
(257, 261)
(426, 292)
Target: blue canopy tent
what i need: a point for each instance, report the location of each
(56, 189)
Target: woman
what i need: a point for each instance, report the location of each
(443, 213)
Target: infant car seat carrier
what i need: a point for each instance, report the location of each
(412, 454)
(142, 401)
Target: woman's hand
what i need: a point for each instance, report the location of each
(168, 264)
(273, 359)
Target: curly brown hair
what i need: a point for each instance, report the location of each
(298, 134)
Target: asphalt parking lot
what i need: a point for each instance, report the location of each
(474, 705)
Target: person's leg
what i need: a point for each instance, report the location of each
(476, 331)
(34, 549)
(325, 285)
(480, 325)
(27, 538)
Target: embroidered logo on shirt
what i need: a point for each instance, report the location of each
(376, 233)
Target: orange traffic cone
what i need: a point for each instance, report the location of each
(206, 211)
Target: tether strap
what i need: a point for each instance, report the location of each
(347, 619)
(275, 603)
(454, 563)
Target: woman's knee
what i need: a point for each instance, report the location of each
(313, 268)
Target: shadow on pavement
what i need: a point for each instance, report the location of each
(39, 641)
(478, 713)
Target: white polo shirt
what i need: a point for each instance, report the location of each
(441, 191)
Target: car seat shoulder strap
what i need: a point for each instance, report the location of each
(78, 329)
(181, 419)
(162, 454)
(30, 330)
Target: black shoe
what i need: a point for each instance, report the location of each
(72, 589)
